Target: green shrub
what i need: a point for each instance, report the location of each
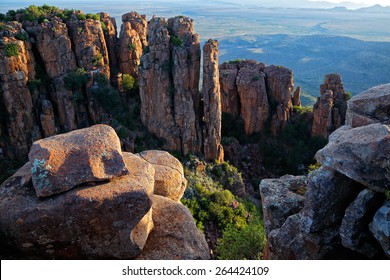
(21, 36)
(11, 50)
(255, 78)
(76, 79)
(128, 83)
(81, 16)
(104, 27)
(2, 17)
(176, 41)
(387, 194)
(34, 83)
(97, 59)
(145, 50)
(132, 47)
(106, 95)
(349, 95)
(93, 16)
(247, 243)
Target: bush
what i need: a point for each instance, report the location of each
(247, 243)
(34, 83)
(93, 16)
(11, 50)
(106, 95)
(104, 27)
(81, 16)
(128, 83)
(176, 41)
(97, 59)
(387, 194)
(76, 79)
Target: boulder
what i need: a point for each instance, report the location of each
(354, 230)
(370, 106)
(175, 235)
(61, 162)
(361, 154)
(169, 178)
(281, 198)
(101, 220)
(380, 227)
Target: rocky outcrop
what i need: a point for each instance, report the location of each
(169, 79)
(281, 198)
(89, 45)
(330, 109)
(18, 128)
(132, 40)
(117, 218)
(361, 154)
(354, 231)
(175, 236)
(257, 93)
(380, 227)
(342, 214)
(169, 180)
(111, 37)
(61, 162)
(371, 106)
(211, 99)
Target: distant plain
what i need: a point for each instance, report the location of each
(312, 42)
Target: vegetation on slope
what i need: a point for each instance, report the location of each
(233, 226)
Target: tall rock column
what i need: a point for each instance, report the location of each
(280, 86)
(55, 50)
(211, 97)
(156, 86)
(132, 40)
(330, 109)
(111, 38)
(185, 46)
(18, 127)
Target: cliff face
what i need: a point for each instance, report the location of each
(343, 209)
(330, 109)
(257, 93)
(17, 124)
(171, 106)
(132, 40)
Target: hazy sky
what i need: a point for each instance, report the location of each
(371, 2)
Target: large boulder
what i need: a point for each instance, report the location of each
(361, 154)
(281, 198)
(371, 106)
(354, 230)
(105, 220)
(169, 178)
(61, 162)
(175, 235)
(380, 227)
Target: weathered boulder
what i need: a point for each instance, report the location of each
(211, 96)
(175, 235)
(169, 180)
(330, 109)
(62, 162)
(98, 220)
(354, 231)
(361, 154)
(380, 227)
(370, 106)
(281, 198)
(328, 194)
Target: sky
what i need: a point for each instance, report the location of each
(370, 2)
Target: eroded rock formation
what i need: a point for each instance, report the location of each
(330, 109)
(118, 218)
(171, 106)
(259, 94)
(344, 210)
